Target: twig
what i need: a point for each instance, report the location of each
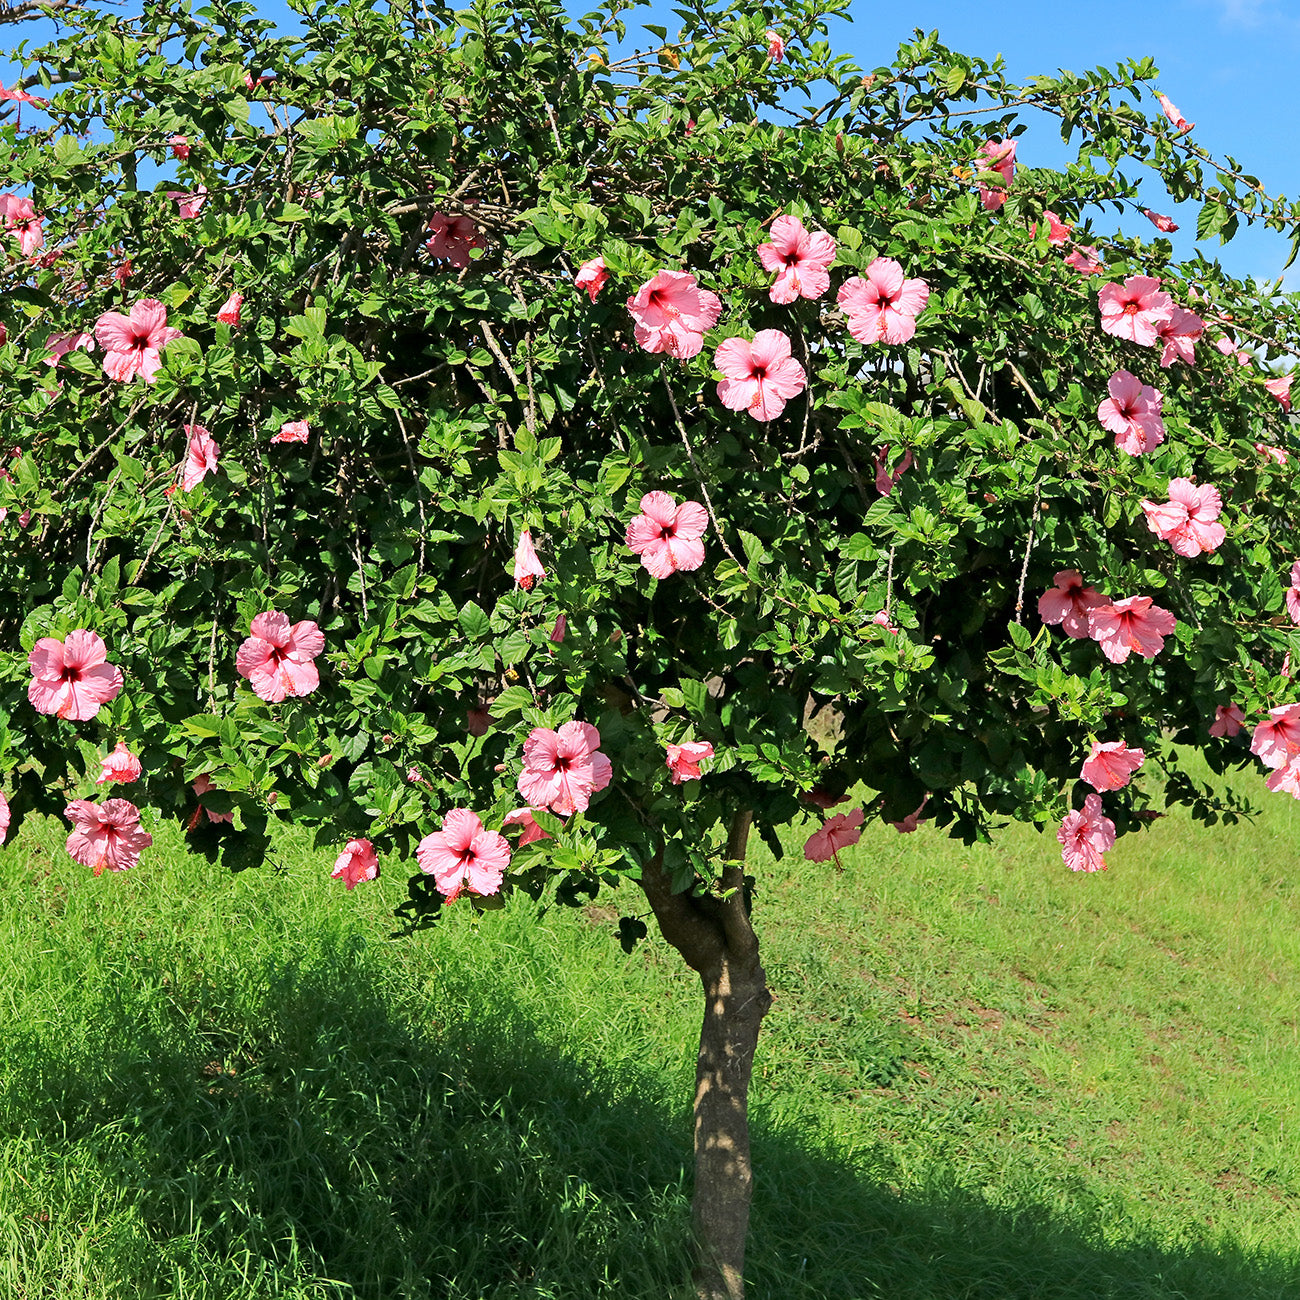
(361, 575)
(495, 349)
(1024, 383)
(1029, 546)
(419, 490)
(112, 437)
(699, 477)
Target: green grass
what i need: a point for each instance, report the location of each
(983, 1077)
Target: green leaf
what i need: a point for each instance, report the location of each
(473, 621)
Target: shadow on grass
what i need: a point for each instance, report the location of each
(312, 1128)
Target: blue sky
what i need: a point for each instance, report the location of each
(1227, 64)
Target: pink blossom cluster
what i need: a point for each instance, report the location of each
(452, 238)
(277, 658)
(1120, 627)
(836, 833)
(996, 156)
(1188, 521)
(667, 536)
(800, 258)
(1276, 743)
(106, 836)
(133, 344)
(670, 313)
(21, 220)
(1133, 413)
(1085, 835)
(883, 305)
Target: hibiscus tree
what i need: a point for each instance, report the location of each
(585, 429)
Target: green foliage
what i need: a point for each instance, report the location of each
(450, 408)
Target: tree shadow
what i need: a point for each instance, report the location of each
(315, 1129)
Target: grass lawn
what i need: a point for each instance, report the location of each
(983, 1077)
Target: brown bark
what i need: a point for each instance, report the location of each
(716, 939)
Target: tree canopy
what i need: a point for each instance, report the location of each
(528, 460)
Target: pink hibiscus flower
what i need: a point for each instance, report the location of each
(666, 535)
(292, 431)
(885, 481)
(70, 678)
(1179, 334)
(20, 218)
(1280, 387)
(1135, 310)
(881, 619)
(20, 96)
(1181, 124)
(592, 276)
(1293, 594)
(1228, 347)
(1084, 836)
(1084, 259)
(462, 854)
(1166, 224)
(1110, 766)
(188, 205)
(1275, 454)
(528, 568)
(356, 863)
(760, 376)
(684, 760)
(200, 456)
(1134, 623)
(1187, 522)
(202, 784)
(1276, 740)
(5, 817)
(800, 258)
(670, 313)
(1286, 779)
(1228, 720)
(277, 658)
(532, 831)
(133, 344)
(884, 306)
(1057, 230)
(58, 345)
(1133, 413)
(106, 835)
(837, 833)
(1068, 604)
(564, 768)
(996, 156)
(228, 313)
(452, 238)
(180, 147)
(775, 46)
(121, 767)
(912, 822)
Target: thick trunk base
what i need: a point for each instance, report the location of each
(715, 937)
(736, 999)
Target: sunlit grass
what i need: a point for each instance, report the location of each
(982, 1077)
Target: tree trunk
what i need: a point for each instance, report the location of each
(715, 937)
